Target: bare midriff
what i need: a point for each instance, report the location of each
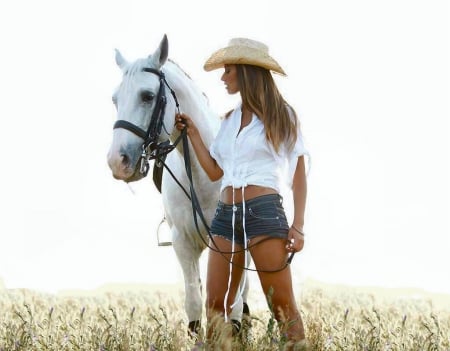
(250, 192)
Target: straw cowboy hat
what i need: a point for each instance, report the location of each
(243, 51)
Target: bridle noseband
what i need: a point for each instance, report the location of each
(151, 149)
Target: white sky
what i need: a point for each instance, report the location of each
(371, 79)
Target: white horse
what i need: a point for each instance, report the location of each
(140, 129)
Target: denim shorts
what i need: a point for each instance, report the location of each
(264, 215)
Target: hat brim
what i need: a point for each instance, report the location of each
(241, 55)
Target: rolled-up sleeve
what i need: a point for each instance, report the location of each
(297, 151)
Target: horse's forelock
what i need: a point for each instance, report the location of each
(137, 66)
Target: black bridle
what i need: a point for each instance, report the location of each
(152, 150)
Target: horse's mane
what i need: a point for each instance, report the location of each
(179, 67)
(187, 75)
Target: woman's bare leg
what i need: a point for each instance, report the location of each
(217, 281)
(271, 255)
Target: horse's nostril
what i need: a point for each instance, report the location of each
(125, 160)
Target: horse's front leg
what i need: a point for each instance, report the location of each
(188, 254)
(240, 313)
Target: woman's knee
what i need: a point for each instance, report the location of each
(214, 303)
(283, 307)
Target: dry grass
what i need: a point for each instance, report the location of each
(335, 319)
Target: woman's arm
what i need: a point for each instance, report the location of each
(208, 164)
(299, 189)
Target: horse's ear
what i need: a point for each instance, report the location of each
(121, 62)
(162, 53)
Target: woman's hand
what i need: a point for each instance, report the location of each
(209, 165)
(295, 240)
(183, 121)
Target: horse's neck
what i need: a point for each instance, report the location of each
(193, 103)
(202, 119)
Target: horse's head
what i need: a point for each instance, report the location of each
(142, 104)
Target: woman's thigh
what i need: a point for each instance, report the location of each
(270, 257)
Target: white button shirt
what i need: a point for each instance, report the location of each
(246, 157)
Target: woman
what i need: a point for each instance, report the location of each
(254, 142)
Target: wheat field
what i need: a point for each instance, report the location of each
(153, 318)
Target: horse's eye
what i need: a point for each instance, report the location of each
(147, 97)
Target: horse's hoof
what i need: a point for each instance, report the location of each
(194, 329)
(236, 327)
(246, 333)
(246, 309)
(246, 318)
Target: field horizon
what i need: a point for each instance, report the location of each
(440, 301)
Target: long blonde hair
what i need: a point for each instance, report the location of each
(260, 95)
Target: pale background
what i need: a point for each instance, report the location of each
(371, 79)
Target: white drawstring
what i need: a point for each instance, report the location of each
(225, 300)
(241, 287)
